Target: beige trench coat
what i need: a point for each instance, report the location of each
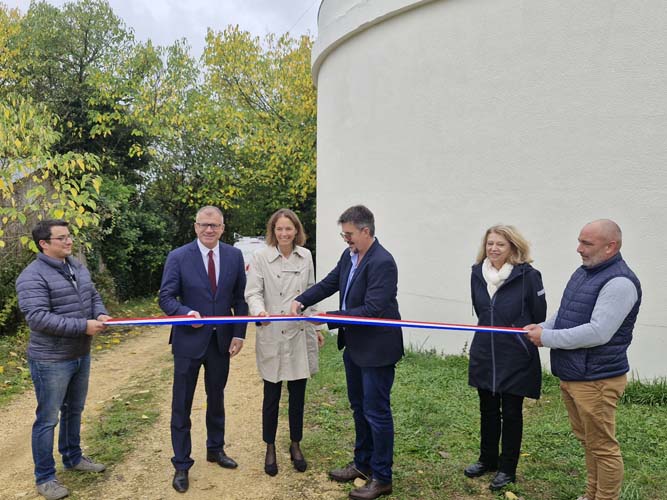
(284, 350)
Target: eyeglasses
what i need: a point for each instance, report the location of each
(205, 226)
(348, 236)
(61, 239)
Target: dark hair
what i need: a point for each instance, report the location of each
(360, 216)
(42, 230)
(299, 238)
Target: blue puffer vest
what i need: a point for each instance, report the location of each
(576, 308)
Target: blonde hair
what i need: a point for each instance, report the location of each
(299, 238)
(519, 246)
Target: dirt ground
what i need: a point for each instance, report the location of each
(146, 472)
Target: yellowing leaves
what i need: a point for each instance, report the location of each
(56, 185)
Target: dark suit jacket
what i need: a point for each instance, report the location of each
(372, 294)
(185, 287)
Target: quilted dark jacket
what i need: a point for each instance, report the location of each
(56, 310)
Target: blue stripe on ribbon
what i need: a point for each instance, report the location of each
(321, 318)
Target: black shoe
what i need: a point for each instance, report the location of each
(180, 482)
(270, 463)
(221, 459)
(501, 480)
(297, 457)
(477, 469)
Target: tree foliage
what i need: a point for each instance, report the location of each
(261, 108)
(127, 139)
(56, 185)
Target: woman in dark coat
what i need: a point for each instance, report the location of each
(506, 291)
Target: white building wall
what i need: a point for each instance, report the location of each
(447, 116)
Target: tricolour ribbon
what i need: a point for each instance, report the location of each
(320, 318)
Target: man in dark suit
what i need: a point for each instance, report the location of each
(367, 278)
(203, 278)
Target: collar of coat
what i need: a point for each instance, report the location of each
(57, 263)
(274, 253)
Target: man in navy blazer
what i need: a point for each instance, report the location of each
(203, 278)
(367, 278)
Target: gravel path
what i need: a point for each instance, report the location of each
(146, 473)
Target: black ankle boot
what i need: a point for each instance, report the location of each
(298, 460)
(270, 463)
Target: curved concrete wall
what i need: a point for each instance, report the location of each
(448, 116)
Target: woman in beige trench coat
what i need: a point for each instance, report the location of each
(285, 350)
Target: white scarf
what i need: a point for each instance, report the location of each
(495, 277)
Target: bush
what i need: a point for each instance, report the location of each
(12, 265)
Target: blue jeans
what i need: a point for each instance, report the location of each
(60, 386)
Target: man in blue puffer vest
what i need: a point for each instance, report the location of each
(589, 339)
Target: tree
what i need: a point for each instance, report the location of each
(255, 130)
(34, 183)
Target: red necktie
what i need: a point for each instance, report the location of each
(211, 272)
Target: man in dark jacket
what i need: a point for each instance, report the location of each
(64, 311)
(203, 278)
(367, 278)
(589, 338)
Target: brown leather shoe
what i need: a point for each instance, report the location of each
(348, 473)
(372, 489)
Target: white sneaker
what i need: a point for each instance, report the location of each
(87, 465)
(52, 490)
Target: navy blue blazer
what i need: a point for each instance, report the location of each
(372, 294)
(185, 287)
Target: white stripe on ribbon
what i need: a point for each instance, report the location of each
(320, 318)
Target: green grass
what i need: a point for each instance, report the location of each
(116, 430)
(436, 418)
(652, 393)
(14, 372)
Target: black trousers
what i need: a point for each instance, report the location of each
(501, 419)
(297, 396)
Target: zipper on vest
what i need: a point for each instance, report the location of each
(493, 345)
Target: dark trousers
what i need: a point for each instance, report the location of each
(501, 418)
(186, 372)
(297, 396)
(369, 390)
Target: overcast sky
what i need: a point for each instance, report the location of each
(164, 21)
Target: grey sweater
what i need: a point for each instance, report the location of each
(57, 308)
